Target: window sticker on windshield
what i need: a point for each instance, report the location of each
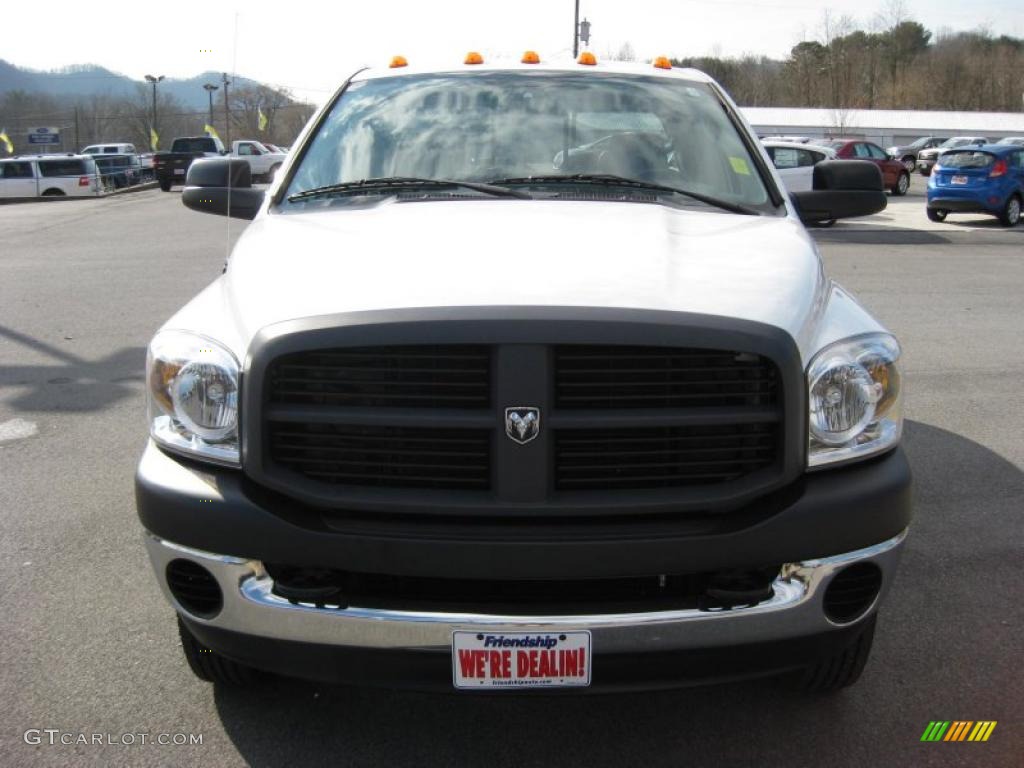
(739, 165)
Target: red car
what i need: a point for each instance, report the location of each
(895, 176)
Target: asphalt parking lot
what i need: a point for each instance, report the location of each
(89, 645)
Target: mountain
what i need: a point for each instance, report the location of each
(89, 79)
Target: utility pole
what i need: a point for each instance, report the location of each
(209, 92)
(576, 31)
(227, 111)
(153, 81)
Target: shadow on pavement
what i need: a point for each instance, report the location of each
(70, 383)
(947, 647)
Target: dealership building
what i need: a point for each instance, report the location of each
(885, 127)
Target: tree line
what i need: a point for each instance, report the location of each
(891, 64)
(100, 118)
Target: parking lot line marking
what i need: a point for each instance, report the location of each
(17, 429)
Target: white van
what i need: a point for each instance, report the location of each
(49, 176)
(109, 149)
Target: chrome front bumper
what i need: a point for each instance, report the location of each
(251, 608)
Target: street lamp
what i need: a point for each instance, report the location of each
(154, 81)
(209, 92)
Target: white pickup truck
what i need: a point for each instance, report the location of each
(263, 161)
(526, 375)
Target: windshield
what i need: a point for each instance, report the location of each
(966, 160)
(495, 126)
(920, 142)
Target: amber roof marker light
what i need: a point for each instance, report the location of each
(473, 58)
(662, 62)
(587, 58)
(531, 57)
(398, 61)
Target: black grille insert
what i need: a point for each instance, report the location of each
(336, 588)
(396, 457)
(194, 588)
(429, 376)
(602, 377)
(659, 457)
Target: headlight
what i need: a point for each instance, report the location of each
(193, 396)
(854, 400)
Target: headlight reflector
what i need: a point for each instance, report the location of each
(193, 396)
(854, 399)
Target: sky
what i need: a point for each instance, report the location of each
(314, 48)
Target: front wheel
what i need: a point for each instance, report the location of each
(842, 669)
(902, 185)
(936, 215)
(909, 163)
(1011, 212)
(165, 185)
(926, 171)
(209, 665)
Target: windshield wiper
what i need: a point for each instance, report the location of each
(611, 180)
(405, 182)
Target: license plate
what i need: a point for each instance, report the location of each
(179, 171)
(958, 180)
(521, 659)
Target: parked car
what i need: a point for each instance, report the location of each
(170, 167)
(895, 176)
(109, 149)
(908, 154)
(987, 179)
(49, 176)
(263, 161)
(1017, 141)
(795, 162)
(926, 157)
(120, 171)
(515, 426)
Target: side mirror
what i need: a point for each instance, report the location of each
(843, 189)
(222, 186)
(223, 152)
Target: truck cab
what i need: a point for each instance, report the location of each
(526, 375)
(263, 161)
(169, 168)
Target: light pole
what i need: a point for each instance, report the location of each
(209, 92)
(580, 31)
(227, 111)
(154, 81)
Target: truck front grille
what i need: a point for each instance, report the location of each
(624, 427)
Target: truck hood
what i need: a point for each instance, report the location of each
(525, 253)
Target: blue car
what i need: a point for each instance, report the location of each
(987, 179)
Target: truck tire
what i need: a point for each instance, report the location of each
(210, 666)
(165, 185)
(909, 162)
(842, 669)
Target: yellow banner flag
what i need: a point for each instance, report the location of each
(154, 139)
(261, 118)
(211, 132)
(7, 141)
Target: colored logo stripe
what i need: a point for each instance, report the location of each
(958, 730)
